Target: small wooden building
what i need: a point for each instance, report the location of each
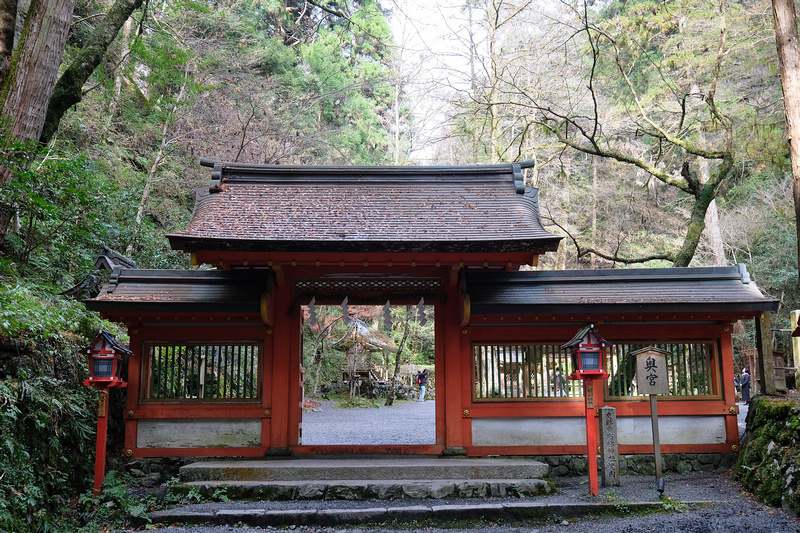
(216, 364)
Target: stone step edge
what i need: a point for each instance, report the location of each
(366, 489)
(356, 473)
(537, 510)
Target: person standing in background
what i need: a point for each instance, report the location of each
(422, 381)
(744, 382)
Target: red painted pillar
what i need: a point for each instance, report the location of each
(452, 397)
(591, 435)
(285, 369)
(102, 432)
(135, 383)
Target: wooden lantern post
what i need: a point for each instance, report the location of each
(587, 351)
(105, 366)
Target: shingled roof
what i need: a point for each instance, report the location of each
(698, 289)
(683, 290)
(196, 291)
(366, 209)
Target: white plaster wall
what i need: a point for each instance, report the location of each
(672, 430)
(199, 433)
(555, 431)
(565, 431)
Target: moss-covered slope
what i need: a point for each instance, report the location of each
(768, 463)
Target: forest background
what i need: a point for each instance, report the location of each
(657, 128)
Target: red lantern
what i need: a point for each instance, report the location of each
(587, 351)
(105, 362)
(105, 366)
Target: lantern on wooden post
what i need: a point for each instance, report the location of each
(587, 351)
(105, 367)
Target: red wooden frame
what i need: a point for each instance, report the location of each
(280, 406)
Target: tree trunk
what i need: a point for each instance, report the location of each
(697, 223)
(8, 23)
(593, 258)
(714, 234)
(68, 90)
(151, 176)
(396, 378)
(319, 358)
(397, 120)
(786, 41)
(34, 68)
(28, 74)
(127, 28)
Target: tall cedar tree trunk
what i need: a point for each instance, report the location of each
(68, 90)
(28, 73)
(396, 378)
(34, 68)
(28, 89)
(8, 21)
(786, 41)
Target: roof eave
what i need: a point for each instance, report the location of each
(536, 245)
(684, 308)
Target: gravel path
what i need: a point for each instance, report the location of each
(405, 422)
(742, 418)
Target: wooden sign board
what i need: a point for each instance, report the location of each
(651, 371)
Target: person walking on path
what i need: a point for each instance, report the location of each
(745, 384)
(422, 381)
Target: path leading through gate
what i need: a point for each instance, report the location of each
(402, 423)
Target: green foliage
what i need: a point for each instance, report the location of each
(163, 63)
(420, 345)
(58, 203)
(113, 505)
(346, 69)
(272, 58)
(32, 313)
(46, 432)
(47, 416)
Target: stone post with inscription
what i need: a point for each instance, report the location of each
(609, 446)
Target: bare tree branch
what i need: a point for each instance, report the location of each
(614, 257)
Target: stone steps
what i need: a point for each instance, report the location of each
(360, 478)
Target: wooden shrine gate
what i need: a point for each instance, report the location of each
(271, 238)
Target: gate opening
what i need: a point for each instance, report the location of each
(359, 375)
